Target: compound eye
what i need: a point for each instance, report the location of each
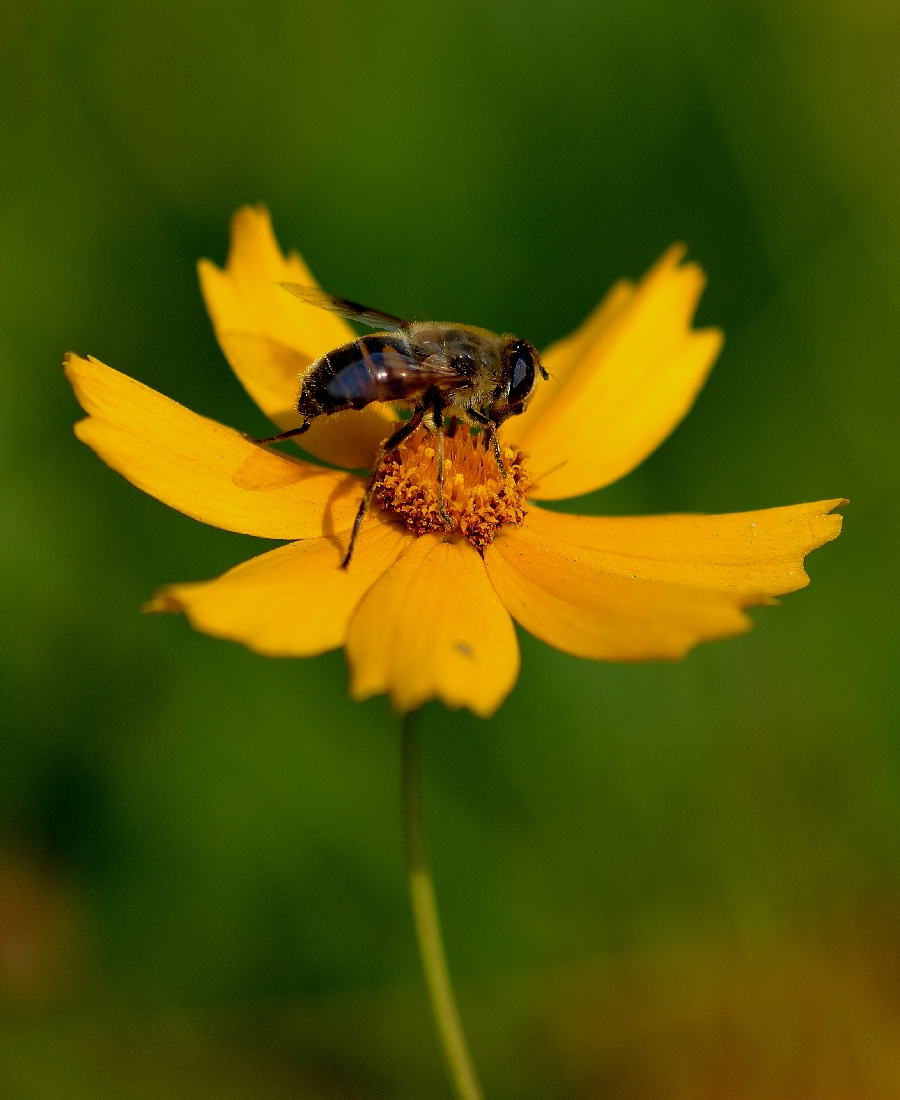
(521, 379)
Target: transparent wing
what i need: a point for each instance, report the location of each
(375, 368)
(353, 311)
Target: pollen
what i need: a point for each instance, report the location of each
(478, 500)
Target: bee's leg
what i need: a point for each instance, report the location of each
(495, 439)
(403, 432)
(492, 439)
(439, 428)
(289, 434)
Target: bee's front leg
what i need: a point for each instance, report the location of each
(495, 439)
(490, 437)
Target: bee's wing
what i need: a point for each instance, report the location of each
(403, 376)
(385, 368)
(353, 311)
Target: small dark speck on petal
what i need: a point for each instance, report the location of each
(464, 649)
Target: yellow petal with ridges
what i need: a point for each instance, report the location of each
(202, 468)
(270, 337)
(744, 551)
(295, 601)
(433, 628)
(558, 593)
(561, 359)
(639, 369)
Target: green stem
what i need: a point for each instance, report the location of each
(428, 929)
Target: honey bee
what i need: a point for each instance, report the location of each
(437, 369)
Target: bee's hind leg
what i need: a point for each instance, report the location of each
(439, 428)
(403, 432)
(289, 434)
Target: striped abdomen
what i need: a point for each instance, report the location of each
(380, 367)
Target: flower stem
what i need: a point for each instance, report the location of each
(428, 929)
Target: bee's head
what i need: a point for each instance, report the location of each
(521, 366)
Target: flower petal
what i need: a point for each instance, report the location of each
(742, 551)
(202, 468)
(270, 337)
(433, 628)
(630, 375)
(559, 594)
(295, 601)
(562, 358)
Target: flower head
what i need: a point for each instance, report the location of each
(477, 498)
(426, 608)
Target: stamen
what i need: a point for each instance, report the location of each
(477, 499)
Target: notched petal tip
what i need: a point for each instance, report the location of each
(830, 521)
(630, 375)
(162, 602)
(760, 551)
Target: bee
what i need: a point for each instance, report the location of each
(437, 369)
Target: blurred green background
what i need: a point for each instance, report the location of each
(678, 881)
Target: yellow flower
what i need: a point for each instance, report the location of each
(423, 613)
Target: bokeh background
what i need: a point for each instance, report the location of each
(678, 881)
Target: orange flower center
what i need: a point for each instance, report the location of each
(477, 498)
